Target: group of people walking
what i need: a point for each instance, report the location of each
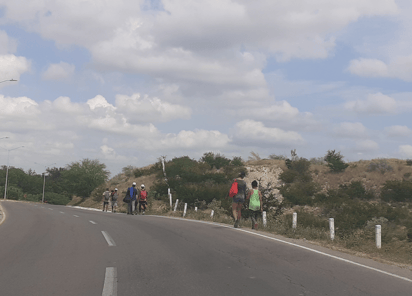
(110, 196)
(255, 201)
(133, 198)
(136, 197)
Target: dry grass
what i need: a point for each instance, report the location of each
(358, 171)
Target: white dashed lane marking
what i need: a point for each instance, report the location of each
(110, 282)
(109, 240)
(92, 222)
(76, 216)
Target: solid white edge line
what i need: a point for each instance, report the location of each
(109, 240)
(92, 222)
(295, 245)
(110, 282)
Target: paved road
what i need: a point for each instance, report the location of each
(56, 250)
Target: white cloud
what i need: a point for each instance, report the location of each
(368, 68)
(256, 133)
(405, 150)
(397, 131)
(350, 130)
(366, 146)
(146, 109)
(398, 67)
(7, 44)
(61, 71)
(99, 102)
(198, 139)
(12, 67)
(374, 104)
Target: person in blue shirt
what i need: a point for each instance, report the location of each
(132, 192)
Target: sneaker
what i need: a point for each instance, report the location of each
(237, 224)
(143, 213)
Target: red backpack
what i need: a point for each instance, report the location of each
(143, 195)
(233, 189)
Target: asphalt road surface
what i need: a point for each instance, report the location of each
(57, 250)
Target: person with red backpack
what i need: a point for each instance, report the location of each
(142, 199)
(238, 194)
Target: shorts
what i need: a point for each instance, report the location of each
(114, 203)
(105, 203)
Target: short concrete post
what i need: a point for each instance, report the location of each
(177, 201)
(195, 209)
(378, 232)
(332, 228)
(265, 221)
(184, 211)
(170, 197)
(211, 214)
(295, 220)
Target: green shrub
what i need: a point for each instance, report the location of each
(335, 161)
(56, 199)
(398, 191)
(380, 165)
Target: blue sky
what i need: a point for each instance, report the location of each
(128, 81)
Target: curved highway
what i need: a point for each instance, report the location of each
(57, 250)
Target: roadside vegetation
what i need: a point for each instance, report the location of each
(61, 184)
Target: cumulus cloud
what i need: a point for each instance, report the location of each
(61, 71)
(350, 130)
(198, 139)
(145, 109)
(368, 68)
(374, 104)
(398, 67)
(397, 131)
(366, 146)
(405, 151)
(7, 44)
(12, 67)
(252, 132)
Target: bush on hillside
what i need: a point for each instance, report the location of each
(191, 181)
(355, 189)
(398, 191)
(380, 165)
(335, 161)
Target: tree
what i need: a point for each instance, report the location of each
(82, 177)
(335, 161)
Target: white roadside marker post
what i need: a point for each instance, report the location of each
(295, 220)
(265, 221)
(195, 209)
(170, 197)
(184, 211)
(378, 232)
(177, 201)
(211, 214)
(332, 228)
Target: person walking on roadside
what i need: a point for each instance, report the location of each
(106, 198)
(255, 203)
(115, 196)
(142, 199)
(239, 199)
(131, 192)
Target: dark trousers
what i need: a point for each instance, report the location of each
(142, 204)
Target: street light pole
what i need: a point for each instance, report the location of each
(7, 171)
(44, 180)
